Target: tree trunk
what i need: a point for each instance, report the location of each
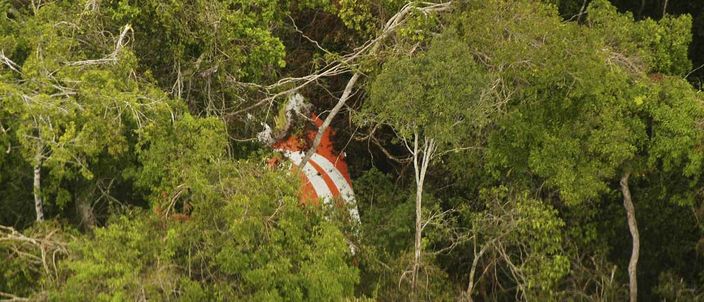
(419, 234)
(37, 190)
(420, 168)
(84, 209)
(633, 228)
(473, 270)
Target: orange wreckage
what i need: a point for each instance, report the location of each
(325, 175)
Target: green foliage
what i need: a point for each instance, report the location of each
(177, 158)
(73, 115)
(365, 16)
(96, 271)
(240, 242)
(30, 258)
(391, 207)
(662, 46)
(126, 109)
(386, 238)
(675, 112)
(579, 120)
(564, 118)
(674, 289)
(526, 235)
(199, 44)
(410, 94)
(264, 245)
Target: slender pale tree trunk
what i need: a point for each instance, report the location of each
(473, 271)
(633, 228)
(420, 166)
(37, 189)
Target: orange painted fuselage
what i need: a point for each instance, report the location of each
(325, 176)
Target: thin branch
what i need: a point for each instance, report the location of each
(317, 45)
(12, 65)
(344, 64)
(693, 71)
(329, 118)
(7, 297)
(46, 245)
(112, 57)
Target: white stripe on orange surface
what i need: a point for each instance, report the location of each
(315, 179)
(340, 182)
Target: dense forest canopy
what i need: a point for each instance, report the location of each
(500, 150)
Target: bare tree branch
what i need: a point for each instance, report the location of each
(48, 247)
(7, 297)
(328, 120)
(344, 64)
(112, 57)
(9, 63)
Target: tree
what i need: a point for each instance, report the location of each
(240, 234)
(524, 235)
(73, 113)
(576, 120)
(410, 95)
(494, 147)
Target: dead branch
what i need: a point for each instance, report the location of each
(112, 57)
(328, 120)
(388, 154)
(7, 297)
(317, 45)
(344, 64)
(632, 65)
(391, 25)
(46, 245)
(9, 63)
